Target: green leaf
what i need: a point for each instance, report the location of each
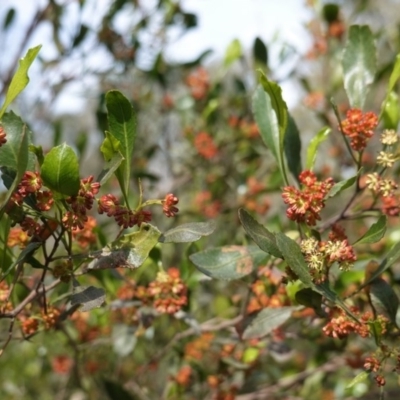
(228, 262)
(261, 235)
(233, 52)
(359, 64)
(384, 299)
(294, 258)
(310, 298)
(278, 104)
(8, 20)
(88, 296)
(60, 170)
(390, 113)
(375, 232)
(14, 154)
(270, 113)
(340, 186)
(260, 51)
(122, 126)
(28, 250)
(109, 168)
(361, 377)
(128, 251)
(392, 256)
(123, 339)
(266, 321)
(187, 233)
(320, 137)
(114, 390)
(292, 147)
(20, 80)
(110, 146)
(394, 77)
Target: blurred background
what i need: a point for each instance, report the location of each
(189, 68)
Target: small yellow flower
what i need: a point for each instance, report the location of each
(386, 159)
(387, 187)
(389, 137)
(372, 181)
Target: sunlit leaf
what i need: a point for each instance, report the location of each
(359, 64)
(128, 251)
(341, 186)
(361, 377)
(320, 137)
(21, 79)
(228, 262)
(233, 52)
(187, 233)
(60, 170)
(266, 321)
(394, 77)
(122, 126)
(14, 154)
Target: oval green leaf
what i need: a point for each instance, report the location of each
(266, 321)
(122, 126)
(384, 299)
(293, 257)
(292, 147)
(359, 64)
(375, 232)
(228, 262)
(187, 233)
(60, 170)
(261, 235)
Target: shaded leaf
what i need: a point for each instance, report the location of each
(266, 321)
(309, 298)
(14, 154)
(60, 170)
(21, 79)
(187, 233)
(260, 51)
(28, 250)
(115, 391)
(261, 235)
(375, 232)
(88, 296)
(228, 262)
(292, 147)
(320, 137)
(294, 258)
(359, 64)
(383, 298)
(123, 339)
(122, 126)
(392, 256)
